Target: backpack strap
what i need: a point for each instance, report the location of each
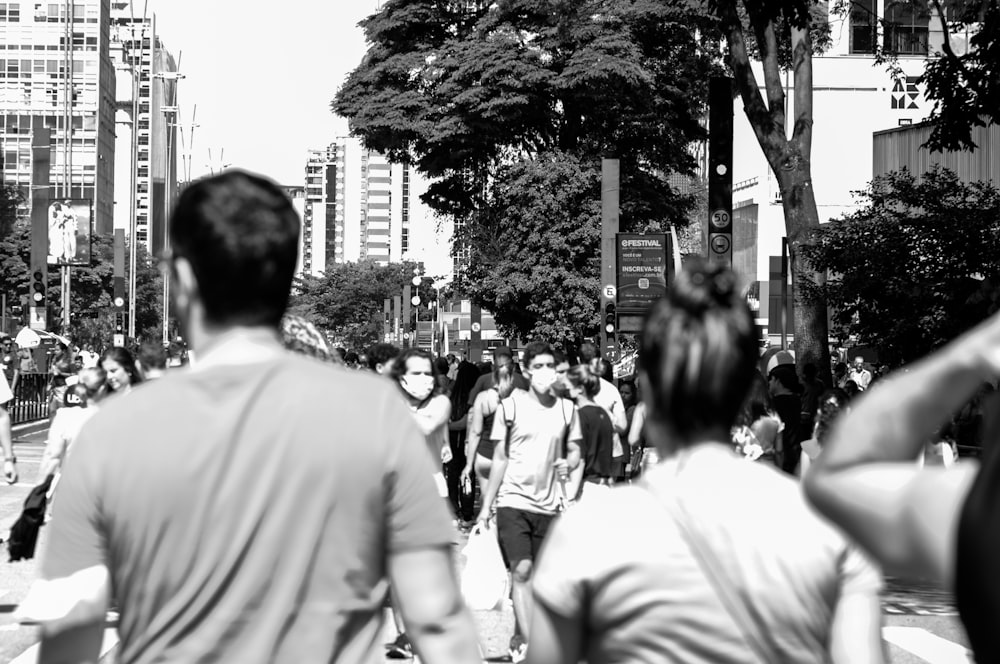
(508, 421)
(567, 425)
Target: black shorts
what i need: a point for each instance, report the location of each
(521, 534)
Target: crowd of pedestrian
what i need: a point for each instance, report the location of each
(268, 502)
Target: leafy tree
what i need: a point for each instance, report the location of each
(467, 95)
(965, 87)
(90, 288)
(462, 93)
(538, 251)
(348, 301)
(916, 266)
(11, 199)
(766, 25)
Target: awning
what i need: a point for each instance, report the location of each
(28, 338)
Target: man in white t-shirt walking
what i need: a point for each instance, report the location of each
(531, 462)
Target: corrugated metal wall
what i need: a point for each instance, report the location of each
(898, 148)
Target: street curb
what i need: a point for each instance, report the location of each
(27, 428)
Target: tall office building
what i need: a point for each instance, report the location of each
(56, 71)
(322, 233)
(147, 120)
(359, 206)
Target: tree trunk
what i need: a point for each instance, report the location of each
(789, 159)
(801, 218)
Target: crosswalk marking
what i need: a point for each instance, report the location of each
(30, 656)
(929, 647)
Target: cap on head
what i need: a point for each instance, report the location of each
(780, 358)
(503, 351)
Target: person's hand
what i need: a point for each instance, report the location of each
(446, 455)
(467, 471)
(484, 518)
(10, 471)
(561, 467)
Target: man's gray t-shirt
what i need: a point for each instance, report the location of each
(246, 512)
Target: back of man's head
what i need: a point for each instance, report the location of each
(380, 356)
(240, 234)
(588, 352)
(152, 356)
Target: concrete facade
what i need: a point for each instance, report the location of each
(56, 67)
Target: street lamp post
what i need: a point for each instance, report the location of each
(169, 117)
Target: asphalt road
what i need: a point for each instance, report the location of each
(920, 621)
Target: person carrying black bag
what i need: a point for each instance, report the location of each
(24, 532)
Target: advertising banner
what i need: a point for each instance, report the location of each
(643, 265)
(69, 232)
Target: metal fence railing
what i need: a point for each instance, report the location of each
(30, 398)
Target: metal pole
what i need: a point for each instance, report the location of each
(784, 293)
(166, 236)
(67, 183)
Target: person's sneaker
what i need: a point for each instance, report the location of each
(400, 648)
(518, 648)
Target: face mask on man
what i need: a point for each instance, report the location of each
(543, 378)
(418, 386)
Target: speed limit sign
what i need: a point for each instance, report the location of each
(720, 218)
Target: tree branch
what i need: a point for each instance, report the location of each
(946, 42)
(802, 67)
(746, 82)
(767, 38)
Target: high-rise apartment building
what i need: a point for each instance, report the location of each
(361, 207)
(320, 227)
(56, 72)
(147, 120)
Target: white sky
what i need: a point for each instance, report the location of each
(262, 75)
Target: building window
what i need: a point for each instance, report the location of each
(10, 12)
(864, 23)
(906, 27)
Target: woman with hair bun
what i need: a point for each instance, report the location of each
(643, 573)
(596, 469)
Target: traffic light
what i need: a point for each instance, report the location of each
(38, 288)
(119, 293)
(610, 320)
(119, 322)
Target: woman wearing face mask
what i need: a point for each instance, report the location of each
(416, 375)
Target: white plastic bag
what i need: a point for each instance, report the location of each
(484, 578)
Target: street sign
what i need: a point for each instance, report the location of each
(630, 322)
(406, 336)
(36, 318)
(643, 264)
(118, 340)
(476, 327)
(720, 243)
(610, 292)
(720, 218)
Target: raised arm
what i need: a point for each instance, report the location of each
(866, 480)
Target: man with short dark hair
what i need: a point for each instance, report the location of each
(380, 357)
(502, 356)
(270, 496)
(152, 359)
(532, 458)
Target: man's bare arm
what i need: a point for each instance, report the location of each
(437, 622)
